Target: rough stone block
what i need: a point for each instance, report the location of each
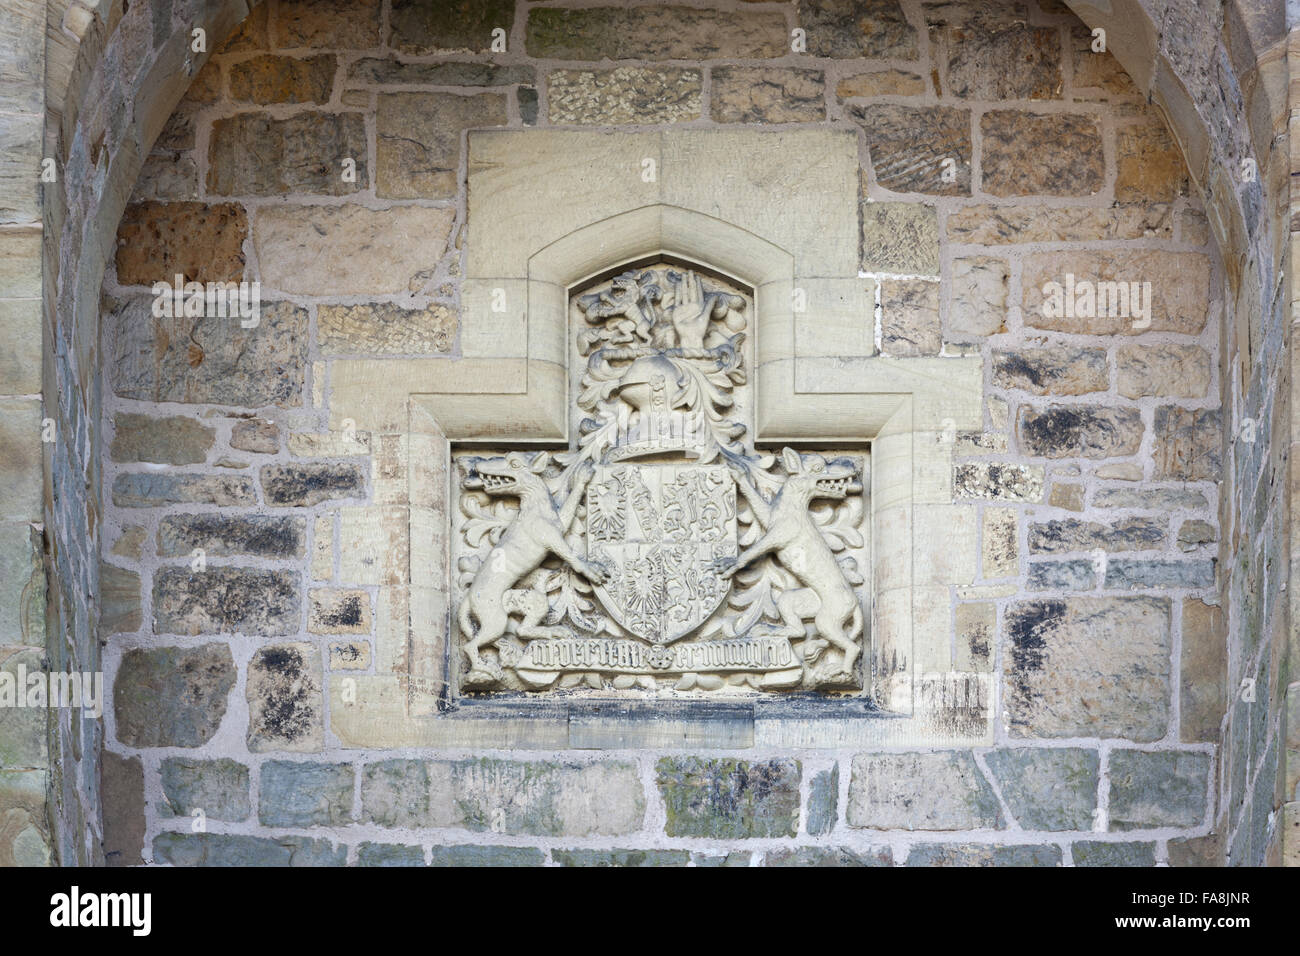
(1073, 534)
(1188, 443)
(994, 54)
(418, 140)
(119, 600)
(379, 72)
(255, 435)
(1077, 575)
(1042, 154)
(1102, 853)
(225, 600)
(979, 297)
(909, 324)
(828, 856)
(301, 485)
(305, 794)
(755, 95)
(221, 849)
(921, 791)
(389, 854)
(338, 612)
(256, 154)
(998, 481)
(282, 79)
(1047, 788)
(1161, 788)
(1173, 371)
(620, 857)
(624, 95)
(1060, 370)
(475, 855)
(852, 29)
(972, 854)
(217, 787)
(382, 328)
(1148, 164)
(416, 26)
(285, 703)
(823, 801)
(174, 440)
(1079, 431)
(654, 33)
(729, 799)
(227, 535)
(201, 241)
(900, 237)
(150, 490)
(908, 146)
(172, 696)
(1159, 573)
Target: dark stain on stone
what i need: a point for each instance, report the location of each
(1015, 366)
(286, 713)
(1056, 430)
(1027, 627)
(347, 613)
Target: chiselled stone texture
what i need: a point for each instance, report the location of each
(908, 146)
(624, 95)
(1079, 431)
(1149, 167)
(900, 237)
(852, 29)
(169, 441)
(222, 536)
(1047, 789)
(1163, 788)
(225, 600)
(910, 317)
(256, 154)
(149, 490)
(221, 849)
(1088, 667)
(993, 53)
(921, 791)
(970, 854)
(1177, 371)
(304, 794)
(217, 787)
(285, 700)
(542, 798)
(998, 481)
(210, 360)
(1188, 443)
(172, 696)
(979, 297)
(418, 140)
(1072, 534)
(996, 225)
(303, 484)
(156, 241)
(654, 33)
(416, 26)
(283, 79)
(828, 856)
(382, 328)
(1052, 371)
(729, 799)
(756, 95)
(1051, 154)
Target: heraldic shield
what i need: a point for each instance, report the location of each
(662, 531)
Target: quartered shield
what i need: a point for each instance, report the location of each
(659, 530)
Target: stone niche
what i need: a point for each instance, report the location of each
(669, 494)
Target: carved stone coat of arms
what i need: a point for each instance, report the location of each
(661, 552)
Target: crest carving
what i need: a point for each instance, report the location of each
(661, 552)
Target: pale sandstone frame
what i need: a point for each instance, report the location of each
(776, 210)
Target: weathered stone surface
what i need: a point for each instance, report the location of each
(526, 96)
(390, 854)
(374, 71)
(1148, 164)
(121, 791)
(1154, 499)
(256, 154)
(25, 837)
(20, 362)
(1177, 371)
(1159, 573)
(285, 703)
(732, 859)
(993, 225)
(1067, 495)
(620, 857)
(349, 249)
(1072, 534)
(1047, 788)
(1120, 471)
(282, 79)
(225, 600)
(1193, 534)
(119, 597)
(823, 856)
(339, 612)
(171, 441)
(921, 791)
(217, 787)
(338, 444)
(475, 855)
(624, 95)
(729, 799)
(542, 798)
(1177, 301)
(302, 484)
(383, 328)
(418, 140)
(1036, 154)
(22, 729)
(156, 241)
(1202, 672)
(998, 481)
(972, 854)
(882, 83)
(1099, 72)
(1188, 443)
(823, 801)
(1088, 667)
(224, 535)
(1076, 575)
(995, 54)
(305, 794)
(1194, 227)
(345, 24)
(349, 656)
(756, 95)
(654, 33)
(975, 629)
(221, 849)
(150, 490)
(1060, 370)
(1203, 851)
(908, 146)
(172, 696)
(1100, 853)
(209, 360)
(416, 26)
(1000, 543)
(910, 322)
(857, 28)
(979, 297)
(255, 435)
(1163, 788)
(1079, 431)
(20, 456)
(900, 237)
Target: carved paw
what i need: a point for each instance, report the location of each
(594, 573)
(724, 567)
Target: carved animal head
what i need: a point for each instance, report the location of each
(812, 476)
(512, 474)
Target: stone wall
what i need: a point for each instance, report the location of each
(1099, 532)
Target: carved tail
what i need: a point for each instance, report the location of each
(462, 617)
(855, 627)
